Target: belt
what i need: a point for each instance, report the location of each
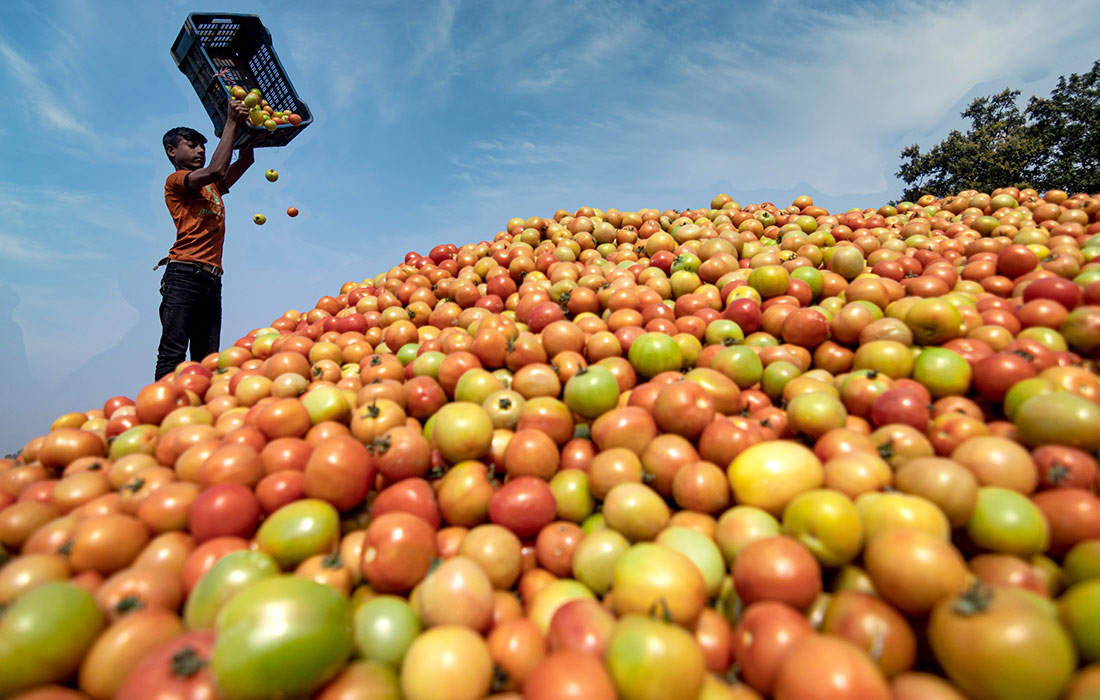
(210, 269)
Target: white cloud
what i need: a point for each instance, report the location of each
(822, 97)
(37, 94)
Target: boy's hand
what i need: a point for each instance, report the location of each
(237, 111)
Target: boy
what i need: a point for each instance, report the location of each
(191, 289)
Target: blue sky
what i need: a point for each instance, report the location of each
(438, 121)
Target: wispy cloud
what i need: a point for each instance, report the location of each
(433, 39)
(47, 226)
(22, 251)
(36, 94)
(828, 99)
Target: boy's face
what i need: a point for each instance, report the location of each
(187, 155)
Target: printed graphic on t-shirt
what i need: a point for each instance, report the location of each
(213, 200)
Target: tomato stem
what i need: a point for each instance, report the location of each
(975, 599)
(186, 662)
(1057, 474)
(501, 679)
(129, 604)
(660, 607)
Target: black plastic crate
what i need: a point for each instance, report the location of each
(216, 51)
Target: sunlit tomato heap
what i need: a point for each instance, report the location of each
(607, 454)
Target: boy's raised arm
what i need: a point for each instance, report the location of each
(218, 168)
(244, 160)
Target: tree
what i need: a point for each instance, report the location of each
(1068, 124)
(1053, 144)
(995, 152)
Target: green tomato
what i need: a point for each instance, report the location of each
(299, 530)
(683, 282)
(650, 659)
(140, 439)
(1079, 608)
(701, 550)
(1008, 522)
(775, 377)
(385, 627)
(1082, 561)
(45, 634)
(593, 523)
(463, 430)
(280, 637)
(224, 580)
(407, 353)
(943, 372)
(572, 494)
(722, 331)
(770, 280)
(595, 558)
(686, 261)
(476, 384)
(1059, 417)
(653, 353)
(591, 392)
(428, 364)
(1023, 390)
(325, 403)
(812, 277)
(740, 363)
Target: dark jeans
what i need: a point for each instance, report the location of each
(190, 313)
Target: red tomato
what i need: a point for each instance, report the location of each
(764, 634)
(517, 647)
(777, 568)
(523, 505)
(1073, 515)
(581, 625)
(280, 488)
(828, 668)
(176, 670)
(397, 552)
(715, 638)
(224, 510)
(873, 626)
(569, 674)
(410, 496)
(340, 470)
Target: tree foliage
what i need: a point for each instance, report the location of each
(1052, 144)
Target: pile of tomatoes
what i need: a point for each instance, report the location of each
(732, 452)
(260, 113)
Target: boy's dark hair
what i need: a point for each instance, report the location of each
(186, 133)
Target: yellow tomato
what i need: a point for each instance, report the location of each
(769, 474)
(649, 573)
(827, 523)
(888, 511)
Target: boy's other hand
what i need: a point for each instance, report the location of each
(237, 111)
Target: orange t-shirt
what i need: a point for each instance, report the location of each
(199, 217)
